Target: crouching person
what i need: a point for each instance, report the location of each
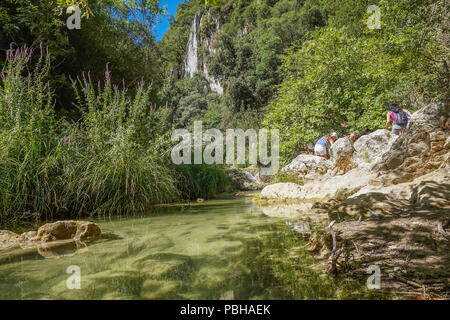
(322, 145)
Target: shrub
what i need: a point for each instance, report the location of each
(122, 143)
(201, 181)
(30, 153)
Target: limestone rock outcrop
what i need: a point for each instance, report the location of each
(342, 152)
(420, 150)
(307, 167)
(60, 230)
(282, 191)
(63, 230)
(370, 148)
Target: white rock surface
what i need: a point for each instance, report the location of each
(282, 191)
(370, 148)
(288, 211)
(406, 190)
(252, 178)
(351, 182)
(308, 166)
(341, 150)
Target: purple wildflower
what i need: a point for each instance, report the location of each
(131, 126)
(107, 74)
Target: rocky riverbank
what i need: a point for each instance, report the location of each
(389, 198)
(49, 240)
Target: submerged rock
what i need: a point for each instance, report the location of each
(62, 230)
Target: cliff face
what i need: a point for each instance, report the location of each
(201, 43)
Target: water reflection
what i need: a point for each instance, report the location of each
(212, 250)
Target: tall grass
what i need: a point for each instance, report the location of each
(114, 160)
(30, 167)
(201, 180)
(122, 156)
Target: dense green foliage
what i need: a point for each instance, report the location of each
(342, 76)
(249, 45)
(114, 34)
(201, 181)
(114, 160)
(315, 65)
(301, 66)
(30, 157)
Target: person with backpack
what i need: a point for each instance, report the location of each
(400, 118)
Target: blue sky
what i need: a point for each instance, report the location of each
(163, 26)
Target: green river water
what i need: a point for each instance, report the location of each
(220, 249)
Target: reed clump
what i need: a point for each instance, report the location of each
(114, 160)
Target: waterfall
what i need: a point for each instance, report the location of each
(191, 63)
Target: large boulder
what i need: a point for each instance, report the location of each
(246, 180)
(339, 186)
(307, 166)
(432, 189)
(371, 147)
(282, 191)
(342, 153)
(432, 194)
(62, 230)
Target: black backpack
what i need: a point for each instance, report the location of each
(401, 118)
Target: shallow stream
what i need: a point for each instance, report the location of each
(220, 249)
